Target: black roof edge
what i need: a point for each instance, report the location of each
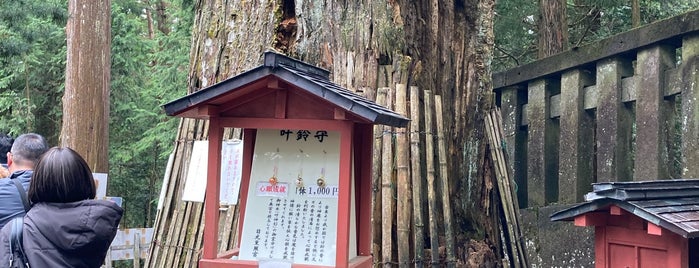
(601, 186)
(377, 114)
(273, 59)
(579, 209)
(177, 106)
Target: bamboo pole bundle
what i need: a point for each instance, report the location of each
(444, 179)
(416, 178)
(164, 211)
(387, 193)
(509, 203)
(402, 182)
(431, 191)
(376, 219)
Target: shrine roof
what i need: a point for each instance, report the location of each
(670, 204)
(302, 76)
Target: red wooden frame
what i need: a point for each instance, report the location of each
(624, 237)
(355, 142)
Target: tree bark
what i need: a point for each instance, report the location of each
(635, 13)
(440, 45)
(553, 27)
(86, 98)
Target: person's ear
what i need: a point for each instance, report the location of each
(9, 159)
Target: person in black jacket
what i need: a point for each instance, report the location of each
(65, 227)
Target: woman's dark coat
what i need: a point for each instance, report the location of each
(74, 234)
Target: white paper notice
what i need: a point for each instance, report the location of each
(101, 182)
(292, 198)
(231, 169)
(195, 186)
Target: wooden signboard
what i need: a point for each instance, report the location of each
(293, 198)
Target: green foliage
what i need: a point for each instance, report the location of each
(32, 64)
(147, 71)
(588, 21)
(515, 33)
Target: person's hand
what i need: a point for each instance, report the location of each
(4, 173)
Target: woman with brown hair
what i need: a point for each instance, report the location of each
(65, 227)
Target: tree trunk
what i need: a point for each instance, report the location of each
(439, 45)
(553, 27)
(86, 99)
(635, 13)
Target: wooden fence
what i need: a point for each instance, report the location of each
(129, 244)
(626, 108)
(409, 179)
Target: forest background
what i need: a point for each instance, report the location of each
(150, 48)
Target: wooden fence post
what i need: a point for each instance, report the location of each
(416, 177)
(652, 112)
(690, 106)
(542, 147)
(576, 138)
(512, 99)
(613, 130)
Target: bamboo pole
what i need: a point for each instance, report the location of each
(510, 190)
(402, 182)
(376, 219)
(509, 203)
(387, 202)
(490, 132)
(161, 226)
(431, 193)
(444, 175)
(416, 177)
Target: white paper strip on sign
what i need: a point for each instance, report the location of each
(231, 169)
(195, 185)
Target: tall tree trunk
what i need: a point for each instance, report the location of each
(440, 45)
(553, 27)
(86, 99)
(635, 13)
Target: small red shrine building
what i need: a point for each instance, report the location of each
(281, 95)
(641, 224)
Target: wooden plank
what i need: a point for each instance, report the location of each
(416, 178)
(387, 193)
(444, 179)
(377, 182)
(613, 131)
(542, 152)
(690, 106)
(137, 250)
(652, 112)
(196, 240)
(515, 140)
(165, 213)
(576, 138)
(403, 186)
(431, 191)
(175, 223)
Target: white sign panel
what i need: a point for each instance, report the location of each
(231, 169)
(292, 198)
(195, 186)
(101, 183)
